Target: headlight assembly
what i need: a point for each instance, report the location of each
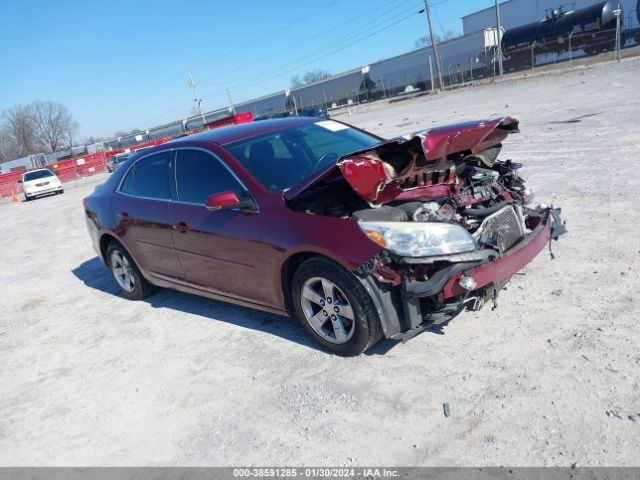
(412, 239)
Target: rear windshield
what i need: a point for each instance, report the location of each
(283, 158)
(38, 174)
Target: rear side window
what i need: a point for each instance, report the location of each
(199, 174)
(149, 177)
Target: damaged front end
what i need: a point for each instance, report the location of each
(454, 223)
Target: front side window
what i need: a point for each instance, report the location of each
(199, 174)
(149, 177)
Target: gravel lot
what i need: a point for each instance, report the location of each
(549, 378)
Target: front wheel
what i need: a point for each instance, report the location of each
(334, 308)
(126, 274)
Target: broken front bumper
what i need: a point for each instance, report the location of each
(406, 319)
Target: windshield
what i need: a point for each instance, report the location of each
(281, 159)
(37, 174)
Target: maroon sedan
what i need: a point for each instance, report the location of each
(359, 237)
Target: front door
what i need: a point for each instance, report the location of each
(219, 250)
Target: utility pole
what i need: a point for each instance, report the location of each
(499, 27)
(618, 13)
(433, 45)
(198, 101)
(232, 107)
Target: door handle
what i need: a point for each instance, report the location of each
(181, 227)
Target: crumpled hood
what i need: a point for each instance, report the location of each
(381, 173)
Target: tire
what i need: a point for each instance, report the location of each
(27, 198)
(323, 292)
(130, 281)
(60, 192)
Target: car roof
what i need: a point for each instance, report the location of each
(243, 131)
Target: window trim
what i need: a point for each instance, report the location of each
(119, 187)
(219, 160)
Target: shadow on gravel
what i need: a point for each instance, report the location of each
(95, 275)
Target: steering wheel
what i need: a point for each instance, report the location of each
(326, 159)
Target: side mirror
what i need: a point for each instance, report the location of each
(226, 200)
(20, 181)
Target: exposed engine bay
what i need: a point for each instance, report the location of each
(439, 203)
(484, 195)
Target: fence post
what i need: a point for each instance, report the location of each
(617, 13)
(570, 50)
(533, 56)
(431, 72)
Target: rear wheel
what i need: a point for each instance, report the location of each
(334, 308)
(126, 274)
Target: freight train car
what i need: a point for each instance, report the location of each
(592, 29)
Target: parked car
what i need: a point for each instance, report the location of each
(39, 182)
(361, 238)
(117, 160)
(314, 112)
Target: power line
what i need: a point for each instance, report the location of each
(309, 39)
(181, 73)
(305, 60)
(292, 66)
(270, 34)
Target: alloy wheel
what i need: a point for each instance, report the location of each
(122, 271)
(327, 310)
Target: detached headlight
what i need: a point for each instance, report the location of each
(412, 239)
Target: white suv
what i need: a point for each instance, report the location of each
(40, 182)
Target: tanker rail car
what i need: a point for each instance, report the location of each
(591, 29)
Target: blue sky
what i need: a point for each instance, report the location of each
(120, 65)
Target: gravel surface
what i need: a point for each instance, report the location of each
(548, 378)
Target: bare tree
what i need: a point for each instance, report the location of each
(91, 140)
(8, 147)
(316, 75)
(367, 85)
(310, 76)
(425, 41)
(296, 81)
(19, 125)
(54, 125)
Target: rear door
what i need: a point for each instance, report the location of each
(141, 206)
(219, 250)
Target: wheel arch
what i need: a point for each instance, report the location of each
(105, 239)
(383, 298)
(288, 270)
